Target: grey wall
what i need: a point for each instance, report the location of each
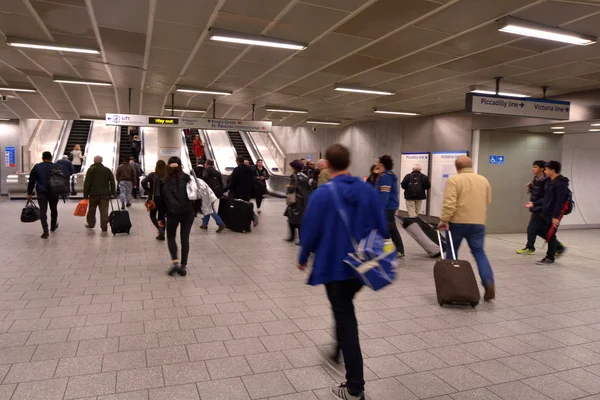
(581, 165)
(9, 136)
(506, 214)
(371, 139)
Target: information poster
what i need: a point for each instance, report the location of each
(442, 168)
(170, 152)
(407, 162)
(10, 159)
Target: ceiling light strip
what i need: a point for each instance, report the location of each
(359, 89)
(493, 93)
(285, 110)
(184, 109)
(317, 122)
(39, 45)
(557, 127)
(378, 111)
(79, 81)
(203, 91)
(222, 35)
(17, 89)
(533, 29)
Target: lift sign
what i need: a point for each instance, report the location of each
(163, 121)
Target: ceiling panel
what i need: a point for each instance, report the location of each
(559, 71)
(346, 5)
(405, 41)
(353, 65)
(55, 17)
(486, 59)
(240, 23)
(373, 78)
(245, 69)
(305, 22)
(480, 39)
(259, 9)
(332, 47)
(467, 14)
(189, 12)
(318, 80)
(212, 53)
(167, 35)
(559, 56)
(129, 15)
(557, 13)
(14, 7)
(298, 67)
(415, 62)
(389, 14)
(20, 26)
(590, 25)
(272, 82)
(419, 78)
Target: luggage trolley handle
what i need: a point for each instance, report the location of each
(443, 254)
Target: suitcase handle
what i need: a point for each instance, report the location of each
(442, 253)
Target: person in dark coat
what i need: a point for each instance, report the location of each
(373, 175)
(260, 182)
(297, 198)
(213, 178)
(152, 184)
(241, 183)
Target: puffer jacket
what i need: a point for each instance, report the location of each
(536, 192)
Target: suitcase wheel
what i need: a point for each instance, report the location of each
(474, 304)
(441, 304)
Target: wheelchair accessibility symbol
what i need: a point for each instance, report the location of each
(496, 159)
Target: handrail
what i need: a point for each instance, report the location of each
(85, 162)
(275, 142)
(208, 144)
(142, 157)
(67, 126)
(187, 151)
(253, 148)
(117, 148)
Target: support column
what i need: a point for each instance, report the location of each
(475, 140)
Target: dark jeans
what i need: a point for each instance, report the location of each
(394, 233)
(553, 243)
(186, 221)
(259, 193)
(538, 226)
(293, 228)
(46, 200)
(155, 217)
(76, 169)
(100, 202)
(475, 235)
(341, 295)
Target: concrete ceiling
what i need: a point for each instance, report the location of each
(429, 51)
(568, 128)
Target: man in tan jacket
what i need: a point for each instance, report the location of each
(466, 199)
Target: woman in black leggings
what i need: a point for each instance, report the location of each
(152, 184)
(179, 210)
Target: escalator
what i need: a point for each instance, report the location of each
(124, 145)
(189, 141)
(239, 146)
(80, 131)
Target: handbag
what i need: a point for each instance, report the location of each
(290, 198)
(375, 259)
(81, 209)
(30, 213)
(150, 203)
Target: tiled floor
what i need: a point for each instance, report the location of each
(91, 316)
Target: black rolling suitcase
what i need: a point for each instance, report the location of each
(119, 221)
(455, 281)
(237, 214)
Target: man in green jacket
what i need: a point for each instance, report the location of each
(99, 185)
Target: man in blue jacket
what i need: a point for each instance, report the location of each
(324, 234)
(38, 179)
(387, 188)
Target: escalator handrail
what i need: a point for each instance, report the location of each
(185, 148)
(255, 149)
(142, 157)
(117, 148)
(61, 143)
(208, 144)
(275, 142)
(85, 162)
(247, 137)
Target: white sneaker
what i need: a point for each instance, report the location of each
(340, 392)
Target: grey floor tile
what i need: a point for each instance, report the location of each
(79, 366)
(461, 378)
(526, 365)
(421, 361)
(268, 362)
(267, 385)
(182, 392)
(31, 371)
(52, 389)
(387, 366)
(517, 390)
(582, 379)
(425, 384)
(91, 385)
(228, 367)
(554, 387)
(225, 389)
(389, 388)
(475, 394)
(124, 360)
(180, 374)
(142, 378)
(309, 378)
(495, 371)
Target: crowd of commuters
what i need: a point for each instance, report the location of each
(317, 210)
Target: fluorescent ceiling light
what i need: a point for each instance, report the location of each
(285, 110)
(35, 44)
(222, 35)
(204, 91)
(80, 81)
(17, 89)
(184, 109)
(559, 132)
(594, 130)
(4, 119)
(493, 93)
(595, 124)
(557, 127)
(358, 89)
(316, 122)
(377, 111)
(533, 29)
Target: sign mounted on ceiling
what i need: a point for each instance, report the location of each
(184, 122)
(521, 107)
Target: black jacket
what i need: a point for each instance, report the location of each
(174, 195)
(415, 186)
(298, 185)
(67, 167)
(214, 180)
(241, 182)
(149, 184)
(536, 192)
(555, 195)
(38, 178)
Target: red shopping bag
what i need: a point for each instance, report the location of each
(81, 209)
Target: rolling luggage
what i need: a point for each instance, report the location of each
(424, 234)
(119, 221)
(237, 214)
(455, 281)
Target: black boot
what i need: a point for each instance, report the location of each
(292, 233)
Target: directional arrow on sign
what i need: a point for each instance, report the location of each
(522, 104)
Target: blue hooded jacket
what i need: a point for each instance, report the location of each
(388, 190)
(324, 233)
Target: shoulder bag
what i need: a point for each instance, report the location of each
(150, 203)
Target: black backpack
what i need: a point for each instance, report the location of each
(569, 203)
(58, 183)
(175, 197)
(415, 186)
